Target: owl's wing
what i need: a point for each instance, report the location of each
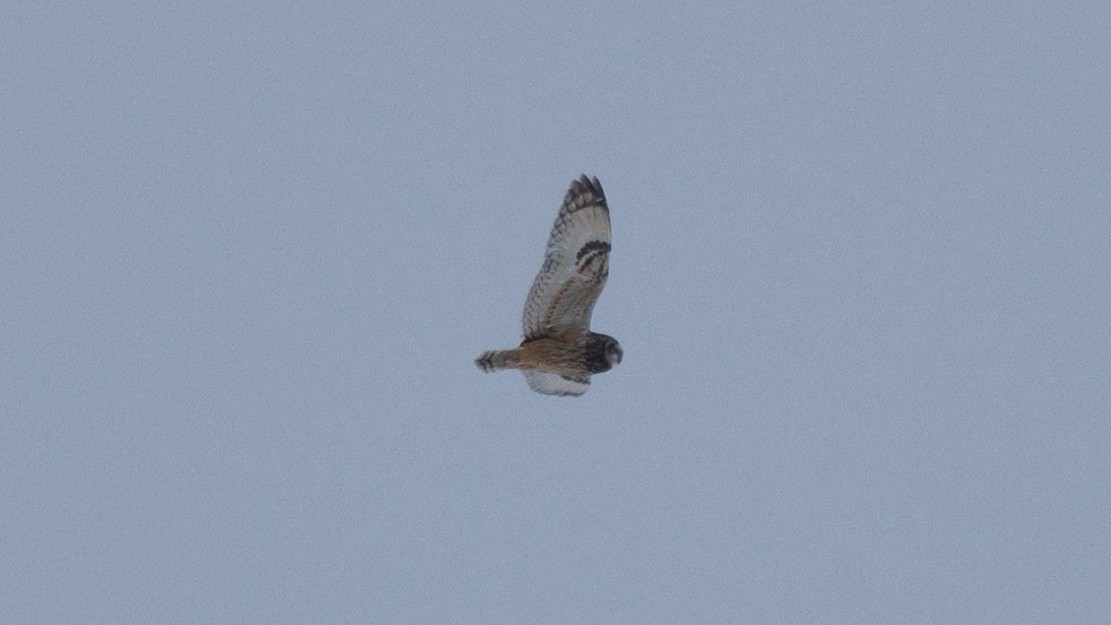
(555, 384)
(575, 266)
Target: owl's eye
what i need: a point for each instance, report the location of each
(615, 353)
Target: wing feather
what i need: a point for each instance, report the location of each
(576, 263)
(555, 384)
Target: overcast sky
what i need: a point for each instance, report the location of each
(860, 272)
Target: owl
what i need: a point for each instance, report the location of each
(559, 353)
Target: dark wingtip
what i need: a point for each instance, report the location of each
(591, 183)
(586, 191)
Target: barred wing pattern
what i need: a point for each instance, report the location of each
(574, 272)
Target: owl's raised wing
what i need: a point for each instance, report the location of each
(576, 264)
(555, 384)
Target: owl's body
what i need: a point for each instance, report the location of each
(559, 352)
(557, 365)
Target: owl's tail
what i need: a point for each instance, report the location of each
(494, 360)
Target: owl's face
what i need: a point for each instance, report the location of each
(602, 353)
(613, 352)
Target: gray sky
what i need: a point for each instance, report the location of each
(860, 275)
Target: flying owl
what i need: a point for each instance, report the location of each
(559, 353)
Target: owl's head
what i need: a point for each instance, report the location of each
(613, 352)
(601, 352)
